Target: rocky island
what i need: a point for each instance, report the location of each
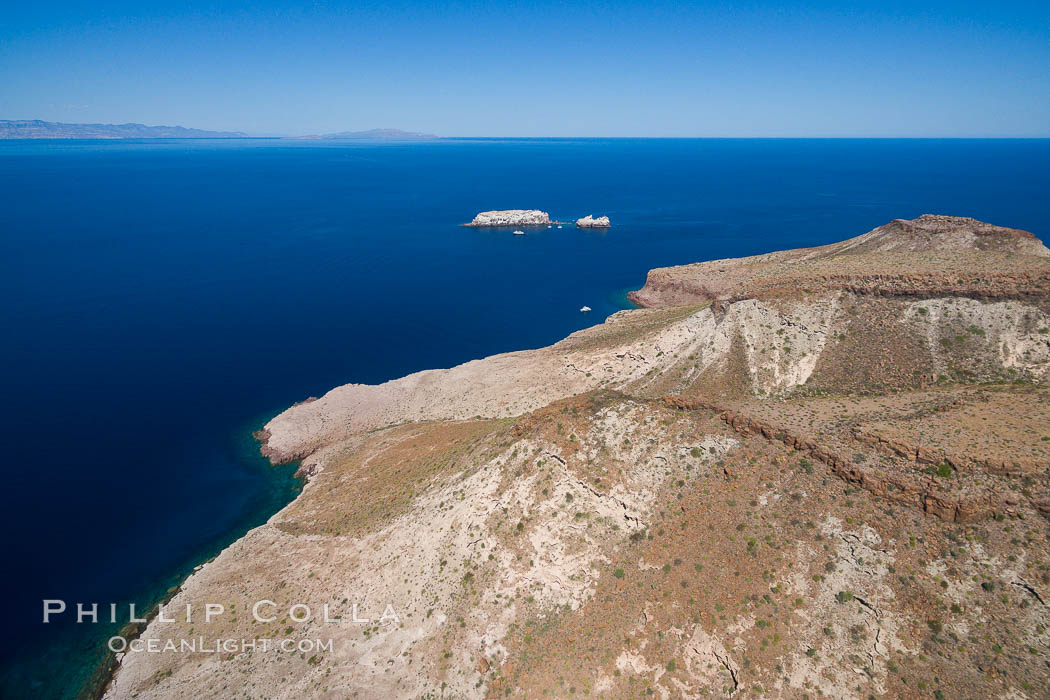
(512, 217)
(812, 472)
(593, 222)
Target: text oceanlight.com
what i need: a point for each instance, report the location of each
(200, 645)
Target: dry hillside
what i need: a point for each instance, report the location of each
(815, 473)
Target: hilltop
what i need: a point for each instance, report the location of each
(926, 256)
(812, 472)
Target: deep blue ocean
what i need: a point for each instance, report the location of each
(162, 299)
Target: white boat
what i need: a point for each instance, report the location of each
(559, 227)
(519, 233)
(584, 309)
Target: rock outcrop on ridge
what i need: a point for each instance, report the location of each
(813, 472)
(924, 256)
(511, 217)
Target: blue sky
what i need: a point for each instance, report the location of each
(535, 68)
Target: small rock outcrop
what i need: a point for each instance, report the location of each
(511, 217)
(593, 222)
(939, 232)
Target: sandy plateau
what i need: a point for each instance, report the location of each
(810, 473)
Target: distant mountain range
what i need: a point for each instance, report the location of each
(37, 129)
(375, 135)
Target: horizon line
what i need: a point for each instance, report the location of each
(250, 137)
(403, 135)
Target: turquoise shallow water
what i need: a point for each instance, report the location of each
(162, 297)
(66, 662)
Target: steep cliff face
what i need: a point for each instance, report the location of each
(824, 475)
(511, 217)
(753, 347)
